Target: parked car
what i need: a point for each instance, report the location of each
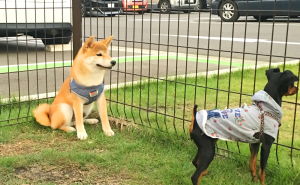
(231, 10)
(139, 6)
(100, 7)
(165, 6)
(203, 4)
(36, 18)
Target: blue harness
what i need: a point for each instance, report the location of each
(91, 93)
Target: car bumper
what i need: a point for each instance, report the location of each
(102, 13)
(136, 7)
(36, 30)
(102, 8)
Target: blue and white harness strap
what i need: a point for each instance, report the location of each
(91, 93)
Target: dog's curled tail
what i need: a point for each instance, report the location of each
(193, 118)
(41, 114)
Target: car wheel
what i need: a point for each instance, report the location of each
(83, 10)
(164, 6)
(58, 39)
(186, 11)
(261, 18)
(141, 12)
(229, 11)
(111, 15)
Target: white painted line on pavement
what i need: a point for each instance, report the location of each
(250, 40)
(243, 23)
(127, 49)
(192, 20)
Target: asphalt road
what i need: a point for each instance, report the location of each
(183, 30)
(218, 42)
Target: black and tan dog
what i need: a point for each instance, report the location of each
(209, 126)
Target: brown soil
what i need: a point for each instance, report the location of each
(68, 174)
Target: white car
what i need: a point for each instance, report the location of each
(49, 20)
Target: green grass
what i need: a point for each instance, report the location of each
(33, 154)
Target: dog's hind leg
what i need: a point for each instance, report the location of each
(62, 118)
(254, 148)
(196, 159)
(205, 155)
(196, 162)
(196, 134)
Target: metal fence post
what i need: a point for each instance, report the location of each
(77, 19)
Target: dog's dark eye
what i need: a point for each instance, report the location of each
(99, 54)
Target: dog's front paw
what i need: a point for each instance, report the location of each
(82, 135)
(109, 132)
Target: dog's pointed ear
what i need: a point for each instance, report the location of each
(107, 41)
(288, 77)
(295, 78)
(89, 43)
(270, 72)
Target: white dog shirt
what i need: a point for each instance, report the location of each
(242, 123)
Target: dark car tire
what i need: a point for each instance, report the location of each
(141, 12)
(186, 11)
(229, 11)
(60, 38)
(165, 6)
(262, 18)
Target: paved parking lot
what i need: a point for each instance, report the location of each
(151, 49)
(203, 31)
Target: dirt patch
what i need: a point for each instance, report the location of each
(68, 174)
(21, 147)
(31, 146)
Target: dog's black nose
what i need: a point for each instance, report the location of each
(113, 62)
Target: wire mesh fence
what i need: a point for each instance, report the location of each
(170, 55)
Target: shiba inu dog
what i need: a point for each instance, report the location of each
(74, 101)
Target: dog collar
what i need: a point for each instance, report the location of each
(90, 93)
